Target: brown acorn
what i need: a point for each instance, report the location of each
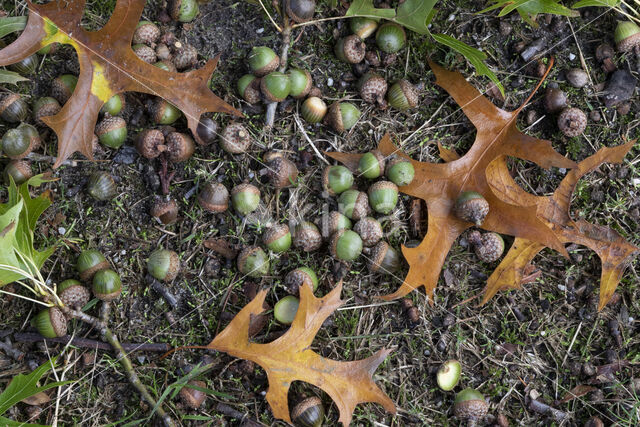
(190, 396)
(163, 53)
(144, 52)
(235, 139)
(488, 246)
(472, 207)
(350, 49)
(373, 88)
(165, 211)
(572, 122)
(214, 197)
(207, 130)
(146, 33)
(307, 237)
(282, 172)
(555, 100)
(300, 10)
(150, 143)
(180, 146)
(43, 107)
(62, 87)
(185, 56)
(369, 229)
(470, 405)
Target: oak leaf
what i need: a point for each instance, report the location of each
(290, 358)
(108, 66)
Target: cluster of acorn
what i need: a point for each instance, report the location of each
(92, 267)
(469, 403)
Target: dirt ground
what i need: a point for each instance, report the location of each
(544, 340)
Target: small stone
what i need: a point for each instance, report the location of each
(571, 57)
(329, 82)
(577, 77)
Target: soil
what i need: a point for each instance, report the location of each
(539, 342)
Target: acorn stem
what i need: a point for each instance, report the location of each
(270, 115)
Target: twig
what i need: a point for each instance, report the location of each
(162, 290)
(14, 353)
(270, 116)
(240, 416)
(544, 409)
(89, 343)
(50, 159)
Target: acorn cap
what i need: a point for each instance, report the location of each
(50, 322)
(62, 87)
(166, 211)
(383, 259)
(370, 230)
(469, 404)
(214, 197)
(180, 146)
(572, 122)
(299, 277)
(472, 207)
(627, 36)
(144, 52)
(373, 88)
(350, 49)
(185, 56)
(150, 143)
(307, 237)
(235, 139)
(282, 172)
(308, 413)
(190, 396)
(146, 32)
(72, 293)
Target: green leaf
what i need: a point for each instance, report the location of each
(10, 77)
(365, 8)
(596, 3)
(530, 9)
(474, 56)
(11, 24)
(414, 15)
(6, 422)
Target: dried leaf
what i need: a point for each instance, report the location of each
(439, 185)
(289, 358)
(578, 391)
(108, 66)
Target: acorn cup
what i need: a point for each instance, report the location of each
(50, 323)
(336, 221)
(214, 197)
(342, 116)
(383, 197)
(373, 88)
(263, 60)
(470, 405)
(275, 86)
(13, 108)
(354, 204)
(18, 170)
(300, 10)
(151, 143)
(46, 106)
(400, 171)
(62, 87)
(147, 33)
(627, 36)
(313, 109)
(249, 88)
(114, 105)
(371, 164)
(180, 146)
(165, 211)
(370, 231)
(281, 171)
(472, 207)
(308, 413)
(345, 245)
(402, 95)
(245, 198)
(164, 265)
(253, 262)
(363, 27)
(384, 259)
(235, 139)
(144, 52)
(299, 277)
(89, 262)
(183, 10)
(72, 293)
(106, 285)
(307, 237)
(19, 142)
(350, 49)
(489, 247)
(185, 56)
(101, 186)
(300, 82)
(390, 37)
(112, 131)
(277, 238)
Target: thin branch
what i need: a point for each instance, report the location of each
(89, 343)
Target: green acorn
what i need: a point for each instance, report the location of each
(300, 82)
(46, 106)
(350, 49)
(166, 66)
(402, 95)
(214, 197)
(627, 36)
(235, 139)
(48, 49)
(383, 197)
(164, 113)
(384, 259)
(277, 238)
(448, 375)
(308, 413)
(112, 131)
(371, 164)
(470, 405)
(301, 276)
(19, 142)
(342, 116)
(300, 10)
(307, 237)
(50, 323)
(245, 198)
(62, 87)
(487, 246)
(18, 170)
(106, 285)
(336, 179)
(354, 204)
(370, 231)
(275, 86)
(346, 245)
(313, 109)
(147, 33)
(144, 52)
(400, 171)
(72, 293)
(263, 60)
(337, 221)
(101, 186)
(285, 310)
(249, 88)
(26, 66)
(164, 265)
(390, 37)
(253, 262)
(472, 207)
(114, 105)
(89, 262)
(13, 108)
(363, 27)
(183, 10)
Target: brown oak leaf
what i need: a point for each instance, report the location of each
(290, 358)
(108, 66)
(439, 185)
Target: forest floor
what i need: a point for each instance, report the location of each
(543, 340)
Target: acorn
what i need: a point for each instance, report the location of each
(150, 143)
(214, 197)
(470, 405)
(62, 87)
(402, 95)
(245, 198)
(26, 66)
(253, 262)
(183, 10)
(627, 36)
(350, 49)
(390, 37)
(13, 108)
(373, 88)
(164, 113)
(144, 52)
(114, 105)
(400, 171)
(166, 65)
(308, 413)
(89, 262)
(249, 88)
(180, 146)
(164, 265)
(448, 375)
(193, 397)
(18, 170)
(277, 238)
(285, 310)
(235, 139)
(185, 56)
(282, 172)
(313, 109)
(384, 259)
(488, 246)
(363, 27)
(207, 130)
(370, 230)
(572, 122)
(101, 186)
(337, 221)
(472, 207)
(165, 211)
(72, 293)
(383, 197)
(371, 164)
(263, 60)
(342, 116)
(46, 106)
(163, 53)
(346, 245)
(19, 142)
(112, 131)
(147, 33)
(300, 82)
(307, 237)
(300, 10)
(354, 204)
(50, 323)
(555, 100)
(106, 285)
(301, 276)
(275, 86)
